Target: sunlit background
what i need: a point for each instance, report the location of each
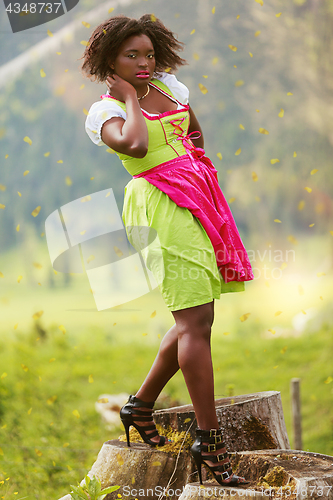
(260, 77)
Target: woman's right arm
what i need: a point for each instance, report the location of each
(130, 136)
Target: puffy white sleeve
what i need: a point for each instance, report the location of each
(99, 113)
(179, 90)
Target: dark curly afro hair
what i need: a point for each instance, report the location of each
(105, 41)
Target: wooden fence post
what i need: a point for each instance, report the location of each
(296, 412)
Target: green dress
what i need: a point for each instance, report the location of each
(191, 276)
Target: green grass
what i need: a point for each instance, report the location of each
(45, 447)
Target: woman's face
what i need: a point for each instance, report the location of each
(135, 61)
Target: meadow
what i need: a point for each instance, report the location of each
(58, 354)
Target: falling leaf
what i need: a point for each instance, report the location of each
(25, 368)
(152, 18)
(301, 205)
(278, 313)
(244, 317)
(281, 114)
(76, 413)
(203, 88)
(238, 152)
(25, 172)
(272, 331)
(239, 83)
(42, 73)
(219, 155)
(28, 140)
(300, 290)
(84, 42)
(308, 189)
(257, 33)
(87, 25)
(193, 31)
(120, 459)
(38, 314)
(19, 278)
(254, 177)
(36, 211)
(263, 131)
(232, 47)
(90, 379)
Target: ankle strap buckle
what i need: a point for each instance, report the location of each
(225, 475)
(211, 447)
(218, 439)
(212, 432)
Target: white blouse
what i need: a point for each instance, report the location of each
(104, 110)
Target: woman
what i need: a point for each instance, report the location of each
(146, 119)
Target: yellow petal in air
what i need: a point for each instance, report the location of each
(87, 25)
(156, 464)
(118, 251)
(76, 413)
(278, 313)
(254, 177)
(295, 154)
(271, 330)
(86, 198)
(49, 33)
(231, 200)
(38, 452)
(314, 171)
(311, 225)
(38, 314)
(278, 15)
(226, 333)
(219, 155)
(301, 205)
(241, 126)
(90, 379)
(283, 265)
(84, 42)
(331, 233)
(196, 56)
(26, 172)
(152, 18)
(60, 161)
(103, 400)
(251, 55)
(321, 274)
(244, 317)
(290, 93)
(275, 160)
(232, 47)
(1, 275)
(238, 152)
(292, 239)
(281, 114)
(257, 33)
(47, 154)
(239, 83)
(68, 181)
(261, 2)
(42, 73)
(277, 220)
(300, 290)
(37, 265)
(35, 212)
(215, 61)
(18, 192)
(90, 258)
(2, 206)
(308, 189)
(25, 368)
(193, 31)
(213, 10)
(28, 140)
(120, 459)
(19, 278)
(109, 150)
(62, 329)
(111, 9)
(202, 88)
(187, 420)
(263, 131)
(328, 380)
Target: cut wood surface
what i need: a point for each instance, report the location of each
(249, 422)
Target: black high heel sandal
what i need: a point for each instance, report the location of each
(127, 418)
(213, 438)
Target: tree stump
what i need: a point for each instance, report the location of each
(250, 422)
(277, 474)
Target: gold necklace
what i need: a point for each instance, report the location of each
(145, 95)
